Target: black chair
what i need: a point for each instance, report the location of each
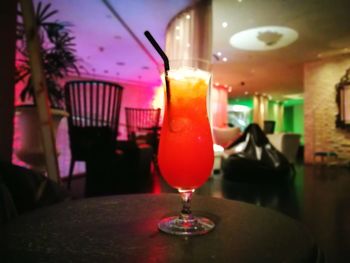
(255, 160)
(94, 108)
(23, 190)
(142, 126)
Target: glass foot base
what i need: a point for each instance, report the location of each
(190, 227)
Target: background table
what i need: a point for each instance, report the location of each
(124, 229)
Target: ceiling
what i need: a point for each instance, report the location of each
(106, 48)
(109, 49)
(323, 27)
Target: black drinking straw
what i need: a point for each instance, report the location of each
(165, 61)
(159, 50)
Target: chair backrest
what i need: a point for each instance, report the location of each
(290, 145)
(93, 104)
(286, 143)
(225, 136)
(94, 108)
(139, 120)
(269, 127)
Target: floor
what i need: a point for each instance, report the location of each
(318, 197)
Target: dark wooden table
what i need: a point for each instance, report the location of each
(124, 229)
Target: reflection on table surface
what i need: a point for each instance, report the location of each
(124, 229)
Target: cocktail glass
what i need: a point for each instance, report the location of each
(186, 147)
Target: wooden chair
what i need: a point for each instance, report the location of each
(94, 108)
(142, 125)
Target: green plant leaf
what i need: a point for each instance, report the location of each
(57, 50)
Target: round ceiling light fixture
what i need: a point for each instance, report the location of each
(264, 38)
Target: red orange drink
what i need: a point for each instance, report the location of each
(186, 147)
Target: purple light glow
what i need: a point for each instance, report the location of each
(134, 95)
(95, 30)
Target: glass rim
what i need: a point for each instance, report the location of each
(196, 63)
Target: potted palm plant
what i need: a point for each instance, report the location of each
(59, 60)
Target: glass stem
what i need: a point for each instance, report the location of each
(186, 196)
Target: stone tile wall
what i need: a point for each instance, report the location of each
(320, 108)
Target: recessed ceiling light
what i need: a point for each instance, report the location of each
(217, 84)
(224, 59)
(246, 93)
(177, 37)
(264, 38)
(224, 24)
(219, 54)
(177, 27)
(239, 1)
(188, 17)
